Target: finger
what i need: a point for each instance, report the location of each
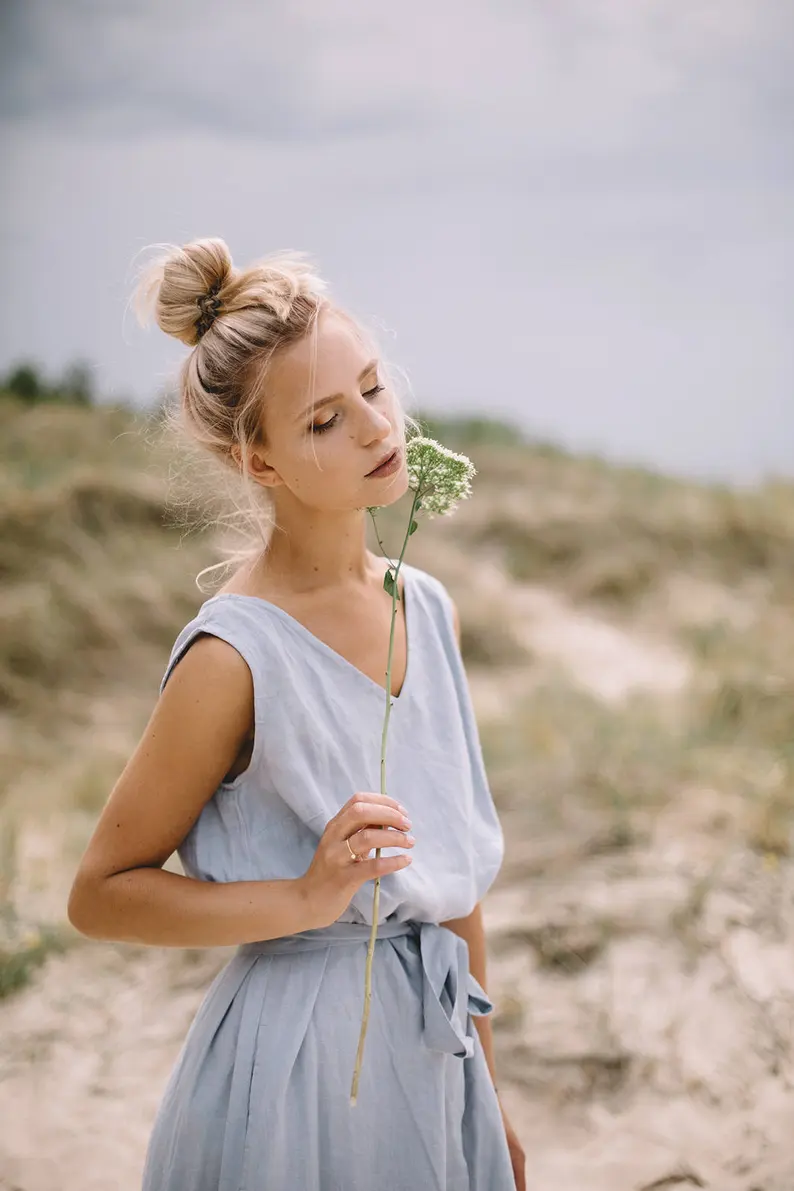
(377, 837)
(362, 814)
(372, 796)
(379, 866)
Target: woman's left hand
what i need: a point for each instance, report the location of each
(517, 1156)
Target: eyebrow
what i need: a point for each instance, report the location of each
(335, 396)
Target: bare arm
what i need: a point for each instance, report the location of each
(121, 890)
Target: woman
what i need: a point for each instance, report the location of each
(258, 766)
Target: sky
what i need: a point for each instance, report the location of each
(575, 214)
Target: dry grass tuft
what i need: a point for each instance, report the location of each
(641, 926)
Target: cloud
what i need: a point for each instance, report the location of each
(600, 78)
(145, 68)
(600, 188)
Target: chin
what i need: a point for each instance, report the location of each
(390, 491)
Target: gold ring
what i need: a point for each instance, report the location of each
(350, 850)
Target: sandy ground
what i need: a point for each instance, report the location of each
(603, 658)
(86, 1053)
(649, 1067)
(645, 997)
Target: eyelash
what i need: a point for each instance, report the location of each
(327, 425)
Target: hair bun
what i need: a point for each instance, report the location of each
(185, 286)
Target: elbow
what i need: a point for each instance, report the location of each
(81, 908)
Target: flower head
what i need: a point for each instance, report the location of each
(441, 478)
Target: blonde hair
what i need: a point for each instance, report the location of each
(235, 321)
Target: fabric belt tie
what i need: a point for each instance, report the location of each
(449, 991)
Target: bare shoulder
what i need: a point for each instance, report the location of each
(261, 584)
(194, 733)
(239, 583)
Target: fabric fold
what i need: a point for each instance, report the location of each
(449, 991)
(259, 1095)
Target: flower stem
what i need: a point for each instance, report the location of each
(376, 898)
(380, 543)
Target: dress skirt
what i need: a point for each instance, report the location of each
(259, 1098)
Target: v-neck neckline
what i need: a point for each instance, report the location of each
(327, 649)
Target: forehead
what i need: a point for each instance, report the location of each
(335, 350)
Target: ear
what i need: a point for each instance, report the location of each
(262, 471)
(258, 469)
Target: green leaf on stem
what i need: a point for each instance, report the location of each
(439, 479)
(389, 583)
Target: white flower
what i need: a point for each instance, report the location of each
(441, 478)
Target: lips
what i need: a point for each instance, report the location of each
(385, 459)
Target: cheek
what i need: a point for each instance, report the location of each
(328, 478)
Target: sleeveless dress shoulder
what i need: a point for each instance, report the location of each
(258, 1099)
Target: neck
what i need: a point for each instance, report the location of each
(322, 551)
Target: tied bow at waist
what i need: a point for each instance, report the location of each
(449, 991)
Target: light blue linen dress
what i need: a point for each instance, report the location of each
(258, 1099)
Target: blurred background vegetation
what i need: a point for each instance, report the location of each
(629, 640)
(26, 382)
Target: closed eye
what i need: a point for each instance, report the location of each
(323, 426)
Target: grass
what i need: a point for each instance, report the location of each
(20, 961)
(607, 533)
(98, 578)
(644, 836)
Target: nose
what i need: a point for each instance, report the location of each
(375, 425)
